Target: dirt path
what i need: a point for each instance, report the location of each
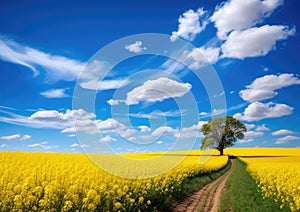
(207, 199)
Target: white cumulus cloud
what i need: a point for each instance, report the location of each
(114, 102)
(283, 132)
(254, 42)
(136, 47)
(107, 139)
(202, 56)
(144, 128)
(265, 87)
(250, 126)
(3, 146)
(114, 126)
(241, 14)
(74, 145)
(53, 119)
(70, 122)
(191, 132)
(26, 137)
(190, 25)
(59, 120)
(164, 130)
(257, 111)
(157, 90)
(16, 137)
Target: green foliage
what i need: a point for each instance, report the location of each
(241, 194)
(222, 132)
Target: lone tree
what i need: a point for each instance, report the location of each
(222, 132)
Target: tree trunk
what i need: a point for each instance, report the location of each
(221, 151)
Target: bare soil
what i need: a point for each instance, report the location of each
(207, 199)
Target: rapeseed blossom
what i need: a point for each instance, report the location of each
(277, 178)
(71, 182)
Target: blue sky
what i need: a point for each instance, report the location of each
(209, 58)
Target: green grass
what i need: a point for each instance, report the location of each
(241, 194)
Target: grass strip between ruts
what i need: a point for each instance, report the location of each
(241, 193)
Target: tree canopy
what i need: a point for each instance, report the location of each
(222, 132)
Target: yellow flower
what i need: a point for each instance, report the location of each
(91, 207)
(71, 181)
(42, 203)
(68, 205)
(18, 200)
(141, 199)
(118, 205)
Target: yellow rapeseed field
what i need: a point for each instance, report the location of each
(71, 182)
(276, 171)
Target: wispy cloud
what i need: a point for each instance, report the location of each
(216, 112)
(11, 137)
(287, 139)
(78, 145)
(7, 108)
(43, 145)
(57, 67)
(54, 93)
(172, 67)
(158, 114)
(252, 134)
(246, 140)
(104, 84)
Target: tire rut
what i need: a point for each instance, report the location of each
(207, 199)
